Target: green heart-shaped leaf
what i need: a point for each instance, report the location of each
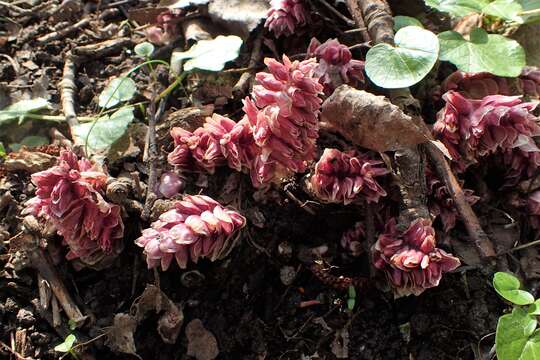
(504, 9)
(457, 8)
(484, 52)
(405, 64)
(67, 344)
(403, 21)
(19, 109)
(516, 338)
(103, 133)
(209, 55)
(144, 49)
(118, 90)
(507, 285)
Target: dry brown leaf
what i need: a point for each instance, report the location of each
(340, 345)
(240, 17)
(371, 121)
(172, 317)
(120, 336)
(202, 344)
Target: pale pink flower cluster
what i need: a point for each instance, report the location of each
(220, 141)
(440, 203)
(285, 15)
(284, 118)
(166, 29)
(70, 196)
(341, 177)
(480, 85)
(277, 136)
(497, 124)
(198, 227)
(351, 240)
(336, 65)
(410, 260)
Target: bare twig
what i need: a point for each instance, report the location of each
(104, 48)
(469, 218)
(153, 155)
(68, 89)
(332, 9)
(40, 260)
(241, 87)
(57, 35)
(13, 352)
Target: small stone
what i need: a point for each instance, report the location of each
(25, 317)
(285, 250)
(287, 274)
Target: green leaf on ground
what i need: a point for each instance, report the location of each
(513, 340)
(144, 49)
(457, 8)
(67, 345)
(209, 55)
(507, 285)
(402, 21)
(21, 108)
(118, 90)
(3, 153)
(483, 52)
(405, 64)
(103, 133)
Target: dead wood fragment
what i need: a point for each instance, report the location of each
(377, 16)
(40, 260)
(153, 155)
(28, 161)
(68, 88)
(104, 48)
(341, 283)
(60, 34)
(469, 218)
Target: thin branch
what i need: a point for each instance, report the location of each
(332, 9)
(60, 34)
(68, 89)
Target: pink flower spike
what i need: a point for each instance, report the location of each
(410, 260)
(285, 15)
(70, 196)
(340, 177)
(336, 65)
(497, 125)
(199, 227)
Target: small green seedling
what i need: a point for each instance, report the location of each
(67, 346)
(351, 301)
(3, 154)
(517, 336)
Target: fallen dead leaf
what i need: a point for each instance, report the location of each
(371, 121)
(239, 17)
(120, 336)
(172, 317)
(202, 344)
(340, 345)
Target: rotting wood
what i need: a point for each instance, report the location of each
(68, 89)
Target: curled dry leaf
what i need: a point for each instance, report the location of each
(202, 344)
(172, 317)
(371, 121)
(120, 336)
